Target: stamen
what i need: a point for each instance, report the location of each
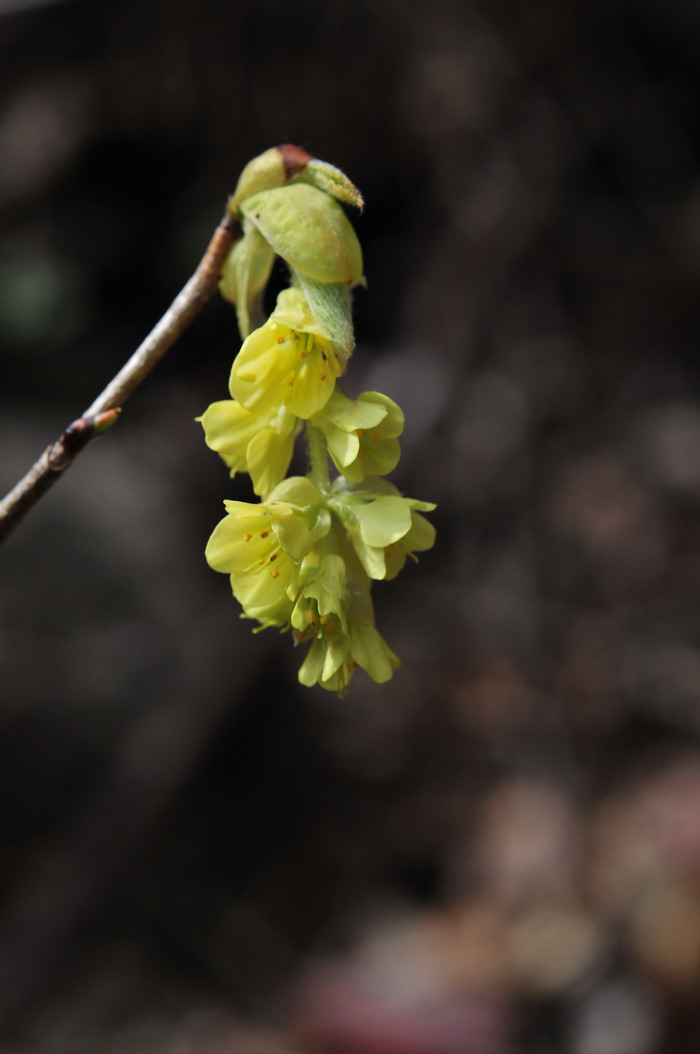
(376, 436)
(264, 534)
(273, 557)
(247, 537)
(275, 573)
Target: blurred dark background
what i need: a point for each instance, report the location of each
(499, 851)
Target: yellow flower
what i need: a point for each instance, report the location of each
(287, 362)
(261, 444)
(262, 545)
(334, 611)
(383, 526)
(361, 433)
(336, 653)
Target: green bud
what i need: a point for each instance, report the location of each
(105, 420)
(273, 168)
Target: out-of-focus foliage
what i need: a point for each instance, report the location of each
(499, 851)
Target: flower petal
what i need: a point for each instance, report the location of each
(384, 520)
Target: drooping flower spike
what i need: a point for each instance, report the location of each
(305, 557)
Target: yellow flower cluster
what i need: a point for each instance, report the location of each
(303, 558)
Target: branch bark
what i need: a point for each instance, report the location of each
(105, 409)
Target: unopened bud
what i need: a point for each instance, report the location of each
(273, 168)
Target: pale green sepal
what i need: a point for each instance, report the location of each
(374, 459)
(321, 524)
(372, 653)
(342, 446)
(392, 421)
(371, 558)
(298, 532)
(364, 412)
(337, 650)
(310, 669)
(293, 535)
(309, 230)
(420, 538)
(328, 588)
(298, 490)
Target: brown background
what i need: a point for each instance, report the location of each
(499, 851)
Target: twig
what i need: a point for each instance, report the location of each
(106, 407)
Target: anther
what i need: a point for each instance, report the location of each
(275, 573)
(264, 534)
(247, 537)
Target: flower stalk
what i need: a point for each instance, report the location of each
(318, 458)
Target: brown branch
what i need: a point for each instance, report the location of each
(106, 407)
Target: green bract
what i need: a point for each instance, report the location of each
(330, 179)
(309, 230)
(305, 557)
